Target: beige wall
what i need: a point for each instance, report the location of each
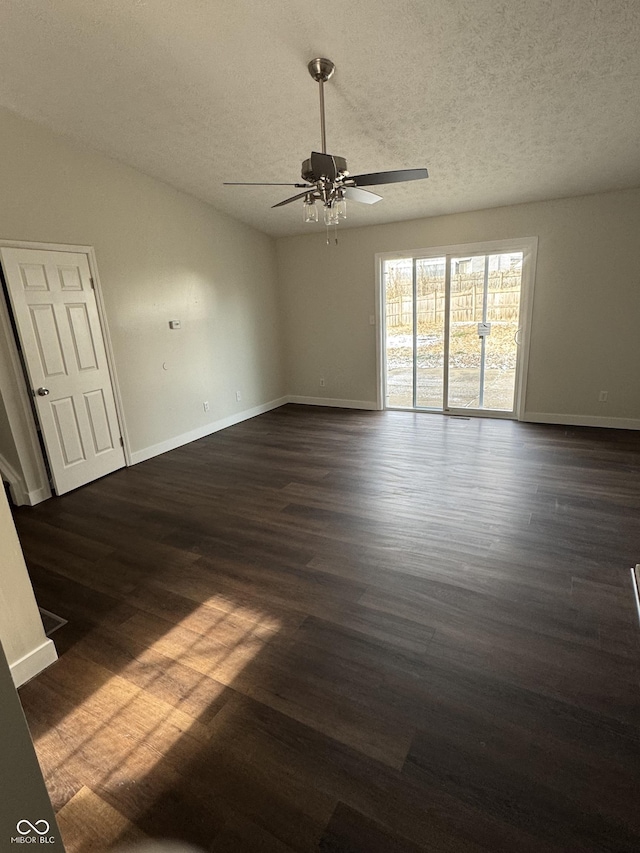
(161, 255)
(21, 633)
(585, 315)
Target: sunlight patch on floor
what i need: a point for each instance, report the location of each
(121, 731)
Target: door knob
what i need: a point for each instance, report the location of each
(42, 392)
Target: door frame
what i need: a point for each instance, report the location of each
(529, 247)
(32, 454)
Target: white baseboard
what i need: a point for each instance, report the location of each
(20, 494)
(16, 483)
(582, 420)
(33, 663)
(21, 497)
(36, 496)
(334, 403)
(203, 431)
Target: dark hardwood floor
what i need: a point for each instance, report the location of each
(347, 632)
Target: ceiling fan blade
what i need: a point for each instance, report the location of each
(323, 164)
(389, 177)
(257, 184)
(293, 198)
(354, 194)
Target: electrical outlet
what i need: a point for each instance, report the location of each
(322, 383)
(603, 396)
(238, 396)
(205, 405)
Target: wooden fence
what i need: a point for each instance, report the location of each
(503, 299)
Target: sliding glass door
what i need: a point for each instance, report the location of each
(453, 330)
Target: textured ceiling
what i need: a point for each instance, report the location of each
(504, 102)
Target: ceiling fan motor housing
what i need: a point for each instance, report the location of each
(307, 171)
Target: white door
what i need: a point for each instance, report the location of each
(56, 315)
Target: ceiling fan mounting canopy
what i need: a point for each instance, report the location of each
(325, 176)
(321, 69)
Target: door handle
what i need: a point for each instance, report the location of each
(42, 392)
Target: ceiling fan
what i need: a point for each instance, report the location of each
(326, 178)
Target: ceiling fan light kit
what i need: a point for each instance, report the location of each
(326, 177)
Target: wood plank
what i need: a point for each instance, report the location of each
(348, 830)
(89, 825)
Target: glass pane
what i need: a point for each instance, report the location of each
(430, 279)
(398, 283)
(501, 349)
(465, 346)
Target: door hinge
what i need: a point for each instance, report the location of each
(121, 441)
(93, 286)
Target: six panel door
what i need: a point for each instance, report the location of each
(59, 328)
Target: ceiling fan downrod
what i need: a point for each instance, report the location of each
(321, 70)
